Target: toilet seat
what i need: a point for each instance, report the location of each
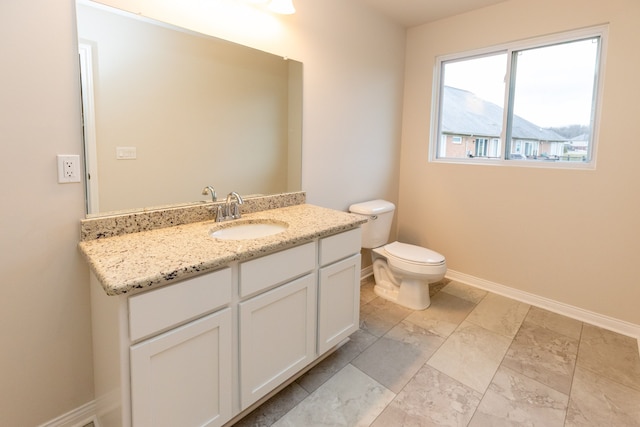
(413, 254)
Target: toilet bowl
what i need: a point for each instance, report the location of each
(402, 271)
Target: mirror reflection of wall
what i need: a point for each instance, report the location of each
(192, 109)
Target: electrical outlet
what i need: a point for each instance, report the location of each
(68, 168)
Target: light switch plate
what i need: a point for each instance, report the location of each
(126, 153)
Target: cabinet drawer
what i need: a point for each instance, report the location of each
(339, 246)
(268, 271)
(171, 305)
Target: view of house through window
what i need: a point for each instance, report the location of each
(530, 101)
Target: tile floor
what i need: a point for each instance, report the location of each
(472, 359)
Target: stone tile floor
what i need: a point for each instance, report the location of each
(472, 358)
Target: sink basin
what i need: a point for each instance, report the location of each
(248, 230)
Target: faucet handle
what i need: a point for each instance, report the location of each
(219, 214)
(235, 210)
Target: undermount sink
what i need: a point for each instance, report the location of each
(248, 230)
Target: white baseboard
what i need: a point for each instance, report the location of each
(366, 272)
(616, 325)
(78, 417)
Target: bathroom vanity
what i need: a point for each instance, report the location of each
(191, 330)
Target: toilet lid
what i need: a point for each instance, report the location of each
(414, 253)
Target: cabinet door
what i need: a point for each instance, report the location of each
(183, 377)
(338, 302)
(277, 337)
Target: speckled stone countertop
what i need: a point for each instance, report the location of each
(162, 256)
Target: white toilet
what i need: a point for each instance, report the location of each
(402, 271)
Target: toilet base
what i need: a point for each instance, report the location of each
(413, 294)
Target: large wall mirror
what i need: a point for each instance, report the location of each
(169, 111)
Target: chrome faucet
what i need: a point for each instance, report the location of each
(209, 190)
(233, 208)
(230, 209)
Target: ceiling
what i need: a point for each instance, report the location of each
(414, 12)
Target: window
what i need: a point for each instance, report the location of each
(494, 148)
(481, 147)
(530, 103)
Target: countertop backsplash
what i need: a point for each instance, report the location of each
(126, 222)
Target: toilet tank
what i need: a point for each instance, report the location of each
(375, 232)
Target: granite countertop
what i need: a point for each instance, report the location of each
(141, 260)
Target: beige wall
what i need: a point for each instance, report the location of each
(571, 236)
(353, 76)
(45, 361)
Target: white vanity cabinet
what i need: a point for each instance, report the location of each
(338, 288)
(203, 350)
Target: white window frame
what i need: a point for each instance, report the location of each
(443, 144)
(508, 48)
